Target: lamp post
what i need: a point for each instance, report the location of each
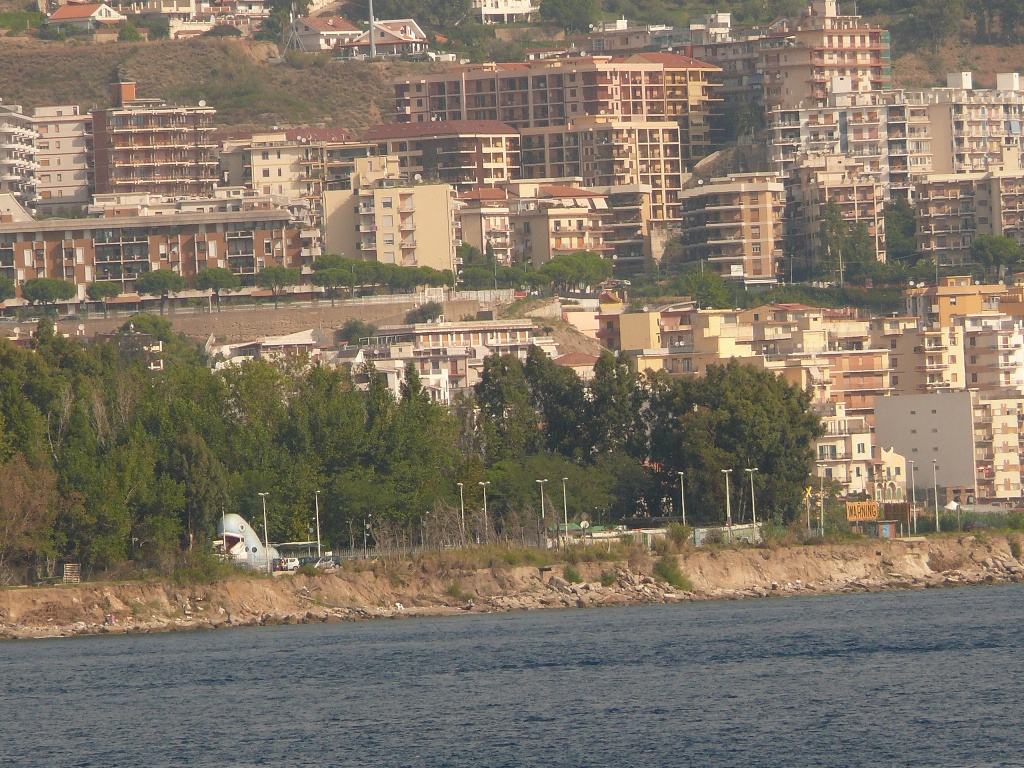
(266, 534)
(753, 505)
(935, 490)
(543, 517)
(487, 526)
(682, 498)
(462, 510)
(319, 548)
(913, 496)
(366, 534)
(728, 504)
(821, 499)
(565, 510)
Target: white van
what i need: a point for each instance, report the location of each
(290, 564)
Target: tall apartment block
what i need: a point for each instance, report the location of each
(953, 209)
(735, 223)
(63, 151)
(385, 218)
(18, 163)
(606, 153)
(146, 145)
(539, 94)
(822, 180)
(551, 220)
(821, 45)
(463, 153)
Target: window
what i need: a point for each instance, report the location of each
(268, 247)
(755, 248)
(389, 239)
(266, 173)
(387, 221)
(860, 448)
(895, 381)
(265, 155)
(385, 202)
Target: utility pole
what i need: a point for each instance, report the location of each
(373, 34)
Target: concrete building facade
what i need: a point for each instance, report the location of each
(63, 151)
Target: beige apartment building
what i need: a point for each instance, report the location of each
(384, 218)
(609, 153)
(819, 181)
(484, 219)
(119, 248)
(845, 453)
(735, 224)
(997, 444)
(147, 145)
(953, 209)
(993, 351)
(18, 164)
(819, 46)
(550, 220)
(63, 153)
(463, 153)
(956, 295)
(540, 94)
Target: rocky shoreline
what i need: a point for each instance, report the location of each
(403, 590)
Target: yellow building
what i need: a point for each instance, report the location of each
(383, 218)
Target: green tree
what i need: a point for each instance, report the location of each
(7, 288)
(332, 280)
(277, 278)
(354, 330)
(160, 282)
(129, 33)
(217, 279)
(47, 290)
(103, 291)
(900, 231)
(995, 253)
(573, 15)
(707, 288)
(425, 313)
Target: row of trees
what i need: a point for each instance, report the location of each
(104, 462)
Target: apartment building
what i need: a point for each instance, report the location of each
(450, 355)
(463, 153)
(485, 222)
(816, 48)
(549, 220)
(735, 224)
(845, 453)
(628, 225)
(611, 153)
(540, 94)
(18, 164)
(955, 295)
(736, 52)
(953, 209)
(971, 127)
(63, 150)
(146, 145)
(385, 218)
(993, 351)
(119, 248)
(997, 445)
(818, 182)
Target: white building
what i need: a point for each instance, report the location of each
(62, 152)
(504, 11)
(18, 165)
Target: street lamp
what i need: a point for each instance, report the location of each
(913, 496)
(319, 548)
(266, 534)
(753, 505)
(565, 509)
(728, 504)
(462, 509)
(682, 498)
(487, 526)
(935, 490)
(543, 517)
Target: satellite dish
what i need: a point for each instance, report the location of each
(202, 102)
(418, 177)
(17, 331)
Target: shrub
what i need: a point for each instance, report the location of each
(455, 592)
(308, 570)
(1015, 548)
(572, 575)
(608, 578)
(203, 568)
(680, 534)
(423, 314)
(667, 570)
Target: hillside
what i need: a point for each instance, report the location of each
(237, 78)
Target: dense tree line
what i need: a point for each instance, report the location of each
(105, 462)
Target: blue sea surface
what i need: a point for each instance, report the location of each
(930, 678)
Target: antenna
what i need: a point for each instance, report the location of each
(293, 42)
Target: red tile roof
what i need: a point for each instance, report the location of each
(674, 60)
(555, 190)
(331, 24)
(437, 128)
(484, 193)
(75, 11)
(575, 359)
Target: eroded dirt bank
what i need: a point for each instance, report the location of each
(402, 589)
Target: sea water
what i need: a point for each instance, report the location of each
(928, 678)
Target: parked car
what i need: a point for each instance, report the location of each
(289, 564)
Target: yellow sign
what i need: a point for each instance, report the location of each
(859, 511)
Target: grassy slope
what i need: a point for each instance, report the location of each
(232, 76)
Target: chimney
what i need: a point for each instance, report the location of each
(122, 93)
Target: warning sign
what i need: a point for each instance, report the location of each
(861, 511)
